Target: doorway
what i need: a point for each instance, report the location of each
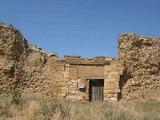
(96, 90)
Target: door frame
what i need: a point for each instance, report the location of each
(100, 83)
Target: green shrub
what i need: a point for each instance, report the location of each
(16, 98)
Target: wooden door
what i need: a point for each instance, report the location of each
(96, 90)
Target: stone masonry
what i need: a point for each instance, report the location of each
(141, 56)
(132, 75)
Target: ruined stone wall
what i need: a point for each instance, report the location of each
(78, 80)
(24, 67)
(29, 69)
(81, 71)
(141, 56)
(112, 74)
(13, 50)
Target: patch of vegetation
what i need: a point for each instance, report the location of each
(5, 107)
(41, 108)
(16, 98)
(46, 110)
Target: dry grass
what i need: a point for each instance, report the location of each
(40, 108)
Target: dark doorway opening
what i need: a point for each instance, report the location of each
(96, 90)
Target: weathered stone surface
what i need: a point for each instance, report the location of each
(141, 56)
(30, 69)
(22, 67)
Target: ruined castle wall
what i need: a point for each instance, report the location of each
(23, 67)
(29, 69)
(141, 56)
(13, 50)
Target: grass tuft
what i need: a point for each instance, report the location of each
(41, 108)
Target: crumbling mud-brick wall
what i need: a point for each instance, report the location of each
(141, 56)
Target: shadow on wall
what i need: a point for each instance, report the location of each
(122, 82)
